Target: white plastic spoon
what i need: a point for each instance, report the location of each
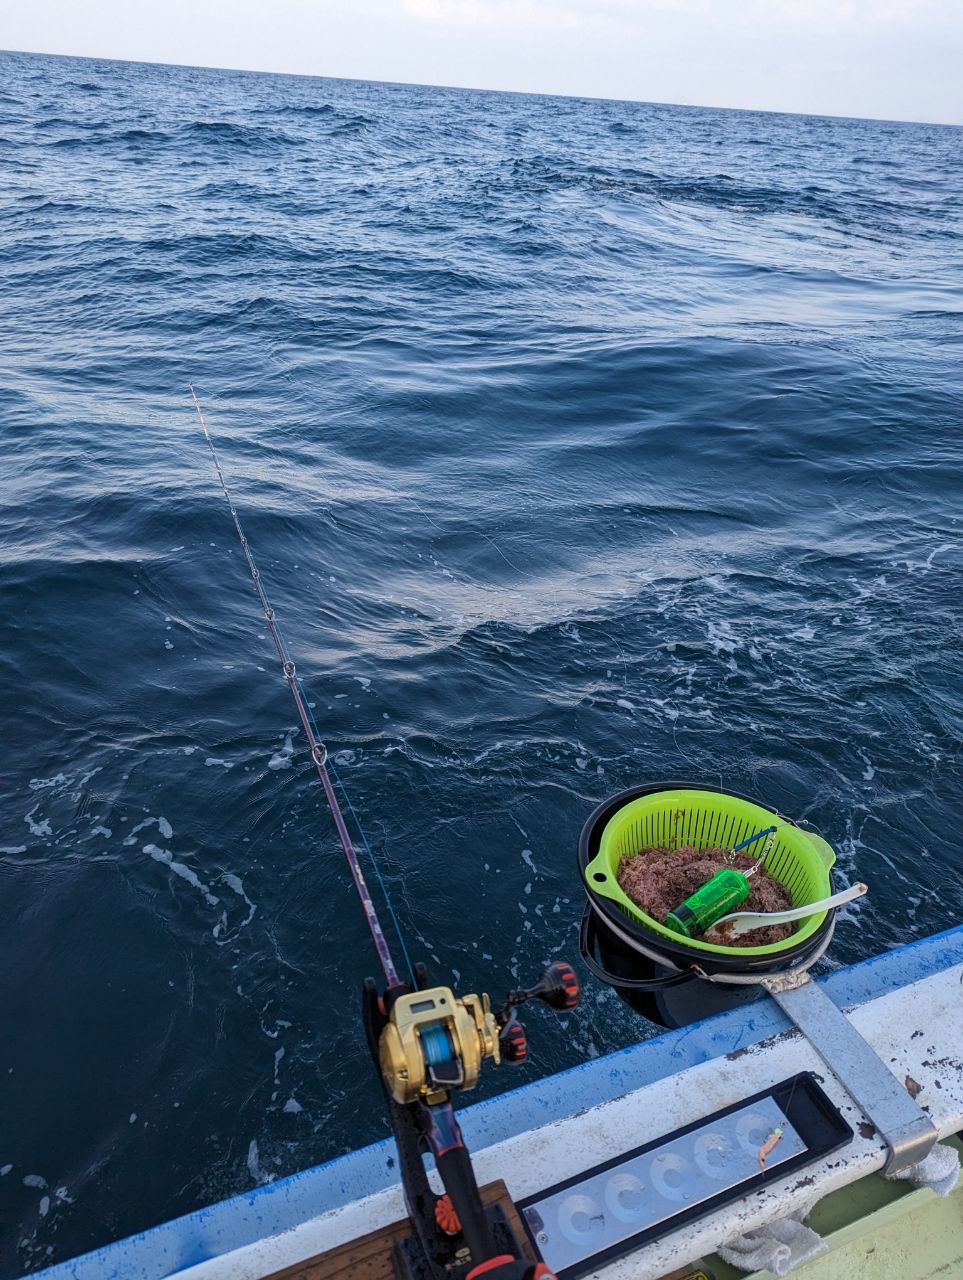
(740, 922)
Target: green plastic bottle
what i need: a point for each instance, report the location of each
(727, 890)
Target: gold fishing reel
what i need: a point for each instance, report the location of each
(435, 1041)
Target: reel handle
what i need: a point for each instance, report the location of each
(558, 987)
(513, 1042)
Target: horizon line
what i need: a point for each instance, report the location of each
(460, 88)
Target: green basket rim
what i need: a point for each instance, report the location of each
(612, 890)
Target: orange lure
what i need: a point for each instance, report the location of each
(769, 1146)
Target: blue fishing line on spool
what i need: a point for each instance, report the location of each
(436, 1043)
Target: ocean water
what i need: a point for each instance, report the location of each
(580, 443)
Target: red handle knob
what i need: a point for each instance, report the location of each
(514, 1043)
(565, 985)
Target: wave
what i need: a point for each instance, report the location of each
(230, 137)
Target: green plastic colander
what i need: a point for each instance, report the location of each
(798, 859)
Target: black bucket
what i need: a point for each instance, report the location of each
(670, 982)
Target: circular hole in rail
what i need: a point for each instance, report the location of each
(752, 1130)
(712, 1153)
(580, 1216)
(669, 1175)
(625, 1197)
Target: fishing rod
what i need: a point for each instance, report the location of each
(426, 1043)
(317, 749)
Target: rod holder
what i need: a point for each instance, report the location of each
(907, 1131)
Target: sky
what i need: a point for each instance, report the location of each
(891, 59)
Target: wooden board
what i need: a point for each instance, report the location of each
(369, 1258)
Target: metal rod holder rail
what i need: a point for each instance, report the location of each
(907, 1131)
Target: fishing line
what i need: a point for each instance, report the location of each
(364, 840)
(329, 763)
(319, 753)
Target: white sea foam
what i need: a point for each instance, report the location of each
(924, 566)
(720, 636)
(282, 759)
(41, 828)
(220, 930)
(162, 825)
(42, 784)
(185, 872)
(254, 1164)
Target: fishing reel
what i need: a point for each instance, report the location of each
(434, 1041)
(428, 1043)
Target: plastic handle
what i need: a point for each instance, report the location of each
(825, 850)
(745, 921)
(586, 945)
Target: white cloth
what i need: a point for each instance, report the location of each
(939, 1170)
(777, 1247)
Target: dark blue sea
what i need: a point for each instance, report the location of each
(580, 443)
